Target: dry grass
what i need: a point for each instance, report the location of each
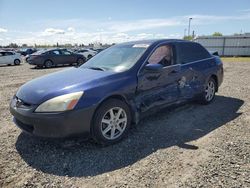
(235, 59)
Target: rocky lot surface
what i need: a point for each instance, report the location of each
(188, 146)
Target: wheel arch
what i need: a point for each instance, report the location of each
(121, 98)
(83, 58)
(216, 81)
(48, 60)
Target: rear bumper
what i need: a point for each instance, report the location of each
(53, 125)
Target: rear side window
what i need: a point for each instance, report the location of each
(190, 51)
(83, 51)
(9, 53)
(54, 52)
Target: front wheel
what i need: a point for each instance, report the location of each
(48, 64)
(17, 62)
(111, 122)
(209, 92)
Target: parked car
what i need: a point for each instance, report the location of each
(115, 88)
(87, 53)
(98, 50)
(54, 57)
(27, 51)
(10, 58)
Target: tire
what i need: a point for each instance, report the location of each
(17, 62)
(90, 56)
(80, 61)
(209, 93)
(48, 64)
(107, 130)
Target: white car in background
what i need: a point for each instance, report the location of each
(87, 53)
(10, 58)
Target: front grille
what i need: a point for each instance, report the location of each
(26, 127)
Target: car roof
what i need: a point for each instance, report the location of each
(152, 41)
(51, 49)
(6, 51)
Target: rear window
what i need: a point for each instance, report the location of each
(190, 51)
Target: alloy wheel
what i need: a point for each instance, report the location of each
(114, 123)
(210, 91)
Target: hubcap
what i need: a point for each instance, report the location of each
(48, 64)
(113, 123)
(80, 61)
(210, 89)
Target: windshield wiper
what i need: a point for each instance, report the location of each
(96, 68)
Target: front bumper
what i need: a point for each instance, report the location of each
(52, 125)
(34, 62)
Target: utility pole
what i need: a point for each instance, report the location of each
(189, 23)
(193, 35)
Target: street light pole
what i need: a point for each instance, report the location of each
(189, 23)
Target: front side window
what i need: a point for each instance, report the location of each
(162, 55)
(117, 58)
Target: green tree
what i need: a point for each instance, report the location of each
(188, 37)
(12, 45)
(217, 34)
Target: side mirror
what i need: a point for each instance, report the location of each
(153, 67)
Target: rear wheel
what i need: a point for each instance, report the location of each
(48, 64)
(111, 122)
(209, 92)
(17, 62)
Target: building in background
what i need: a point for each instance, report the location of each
(231, 45)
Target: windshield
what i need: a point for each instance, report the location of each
(117, 58)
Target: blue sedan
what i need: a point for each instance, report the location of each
(116, 88)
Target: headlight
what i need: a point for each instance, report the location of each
(60, 103)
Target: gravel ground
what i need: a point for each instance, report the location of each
(188, 146)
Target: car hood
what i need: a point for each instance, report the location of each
(71, 80)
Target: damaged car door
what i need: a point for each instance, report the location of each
(195, 62)
(158, 79)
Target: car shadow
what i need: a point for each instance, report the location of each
(9, 65)
(54, 67)
(170, 127)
